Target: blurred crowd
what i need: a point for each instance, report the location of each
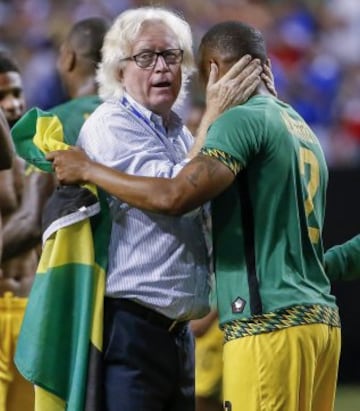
(314, 46)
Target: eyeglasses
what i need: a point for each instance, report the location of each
(148, 59)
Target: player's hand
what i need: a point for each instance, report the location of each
(71, 166)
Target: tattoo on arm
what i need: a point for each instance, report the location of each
(201, 164)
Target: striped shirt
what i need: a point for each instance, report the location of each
(158, 261)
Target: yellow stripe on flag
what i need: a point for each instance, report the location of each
(44, 400)
(54, 254)
(49, 134)
(97, 325)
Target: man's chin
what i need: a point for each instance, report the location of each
(163, 103)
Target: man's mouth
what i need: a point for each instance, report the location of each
(162, 84)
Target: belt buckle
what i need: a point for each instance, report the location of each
(172, 325)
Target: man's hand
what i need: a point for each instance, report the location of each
(235, 86)
(71, 166)
(268, 78)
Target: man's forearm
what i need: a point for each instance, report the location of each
(146, 193)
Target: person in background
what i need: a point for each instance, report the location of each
(11, 89)
(264, 170)
(18, 199)
(20, 203)
(6, 156)
(6, 146)
(157, 278)
(78, 58)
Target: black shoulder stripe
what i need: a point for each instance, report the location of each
(249, 239)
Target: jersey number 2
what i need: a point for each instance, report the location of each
(308, 158)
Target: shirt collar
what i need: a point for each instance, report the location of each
(143, 110)
(174, 120)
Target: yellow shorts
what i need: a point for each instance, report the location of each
(291, 369)
(208, 363)
(16, 394)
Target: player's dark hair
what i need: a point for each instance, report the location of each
(7, 63)
(87, 36)
(234, 39)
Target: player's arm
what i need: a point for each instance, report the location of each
(202, 179)
(7, 151)
(22, 230)
(342, 262)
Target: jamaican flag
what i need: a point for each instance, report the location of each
(60, 343)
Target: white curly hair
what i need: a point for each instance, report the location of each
(119, 40)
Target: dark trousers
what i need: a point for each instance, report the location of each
(147, 367)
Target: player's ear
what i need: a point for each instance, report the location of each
(69, 59)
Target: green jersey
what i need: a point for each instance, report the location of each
(73, 113)
(267, 225)
(342, 262)
(62, 123)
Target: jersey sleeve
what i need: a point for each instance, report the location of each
(342, 262)
(233, 138)
(227, 159)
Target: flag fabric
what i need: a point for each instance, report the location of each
(60, 343)
(39, 132)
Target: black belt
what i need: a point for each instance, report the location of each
(148, 314)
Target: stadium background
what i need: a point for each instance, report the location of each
(315, 50)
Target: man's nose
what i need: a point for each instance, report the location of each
(161, 64)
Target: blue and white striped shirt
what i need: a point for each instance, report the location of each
(159, 261)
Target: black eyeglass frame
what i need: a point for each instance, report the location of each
(163, 54)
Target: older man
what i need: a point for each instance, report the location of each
(157, 276)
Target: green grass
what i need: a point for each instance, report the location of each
(347, 398)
